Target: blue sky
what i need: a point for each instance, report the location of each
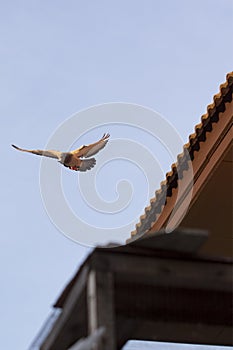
(60, 57)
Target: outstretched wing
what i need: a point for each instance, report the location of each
(87, 164)
(48, 153)
(90, 150)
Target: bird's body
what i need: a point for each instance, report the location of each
(73, 159)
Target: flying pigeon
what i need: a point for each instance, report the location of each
(73, 160)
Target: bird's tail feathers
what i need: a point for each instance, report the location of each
(87, 164)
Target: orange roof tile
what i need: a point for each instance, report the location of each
(157, 203)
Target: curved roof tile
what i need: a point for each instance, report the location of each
(157, 203)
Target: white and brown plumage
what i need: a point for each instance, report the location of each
(73, 159)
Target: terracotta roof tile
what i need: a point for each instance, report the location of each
(158, 202)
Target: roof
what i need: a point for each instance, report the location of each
(196, 140)
(181, 243)
(146, 285)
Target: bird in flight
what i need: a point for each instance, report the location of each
(74, 159)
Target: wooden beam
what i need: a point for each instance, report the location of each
(101, 308)
(190, 333)
(182, 241)
(95, 339)
(57, 338)
(187, 273)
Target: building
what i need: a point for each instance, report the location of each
(173, 287)
(209, 154)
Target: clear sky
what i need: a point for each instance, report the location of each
(60, 57)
